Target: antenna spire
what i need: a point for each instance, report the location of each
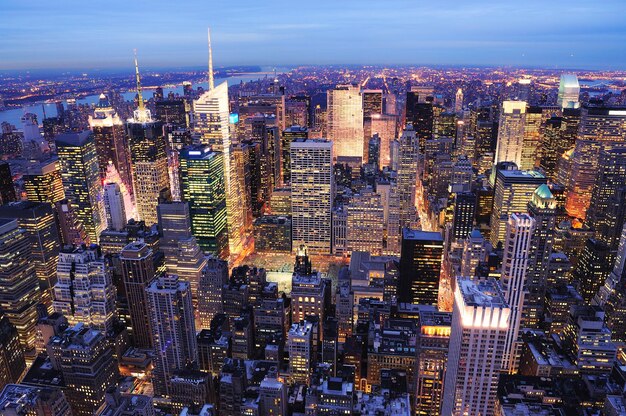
(211, 80)
(141, 114)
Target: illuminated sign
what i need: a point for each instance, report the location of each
(233, 118)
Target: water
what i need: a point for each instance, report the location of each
(13, 116)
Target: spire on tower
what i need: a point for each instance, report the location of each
(141, 114)
(211, 81)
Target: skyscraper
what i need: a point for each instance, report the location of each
(174, 336)
(110, 139)
(312, 192)
(345, 120)
(148, 158)
(407, 176)
(479, 326)
(19, 287)
(138, 271)
(202, 186)
(519, 232)
(81, 180)
(214, 276)
(114, 207)
(365, 223)
(569, 91)
(211, 112)
(12, 363)
(84, 292)
(7, 190)
(174, 225)
(419, 113)
(43, 182)
(511, 132)
(420, 266)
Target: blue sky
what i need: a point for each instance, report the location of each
(102, 34)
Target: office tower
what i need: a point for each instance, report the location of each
(114, 207)
(300, 347)
(84, 292)
(569, 91)
(612, 295)
(21, 399)
(458, 101)
(81, 180)
(310, 294)
(211, 114)
(513, 191)
(587, 340)
(12, 363)
(345, 120)
(511, 132)
(407, 175)
(214, 276)
(171, 112)
(474, 252)
(174, 336)
(117, 403)
(242, 342)
(373, 152)
(607, 209)
(110, 140)
(419, 113)
(273, 397)
(463, 216)
(38, 222)
(385, 126)
(19, 287)
(71, 229)
(592, 268)
(431, 351)
(312, 192)
(202, 186)
(531, 141)
(43, 183)
(365, 223)
(601, 129)
(479, 324)
(85, 359)
(287, 136)
(138, 271)
(174, 225)
(372, 102)
(30, 127)
(7, 190)
(189, 265)
(514, 281)
(272, 233)
(420, 265)
(246, 176)
(552, 146)
(542, 208)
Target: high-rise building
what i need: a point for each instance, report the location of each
(569, 91)
(301, 355)
(458, 101)
(38, 221)
(464, 214)
(81, 180)
(43, 182)
(85, 359)
(519, 233)
(174, 335)
(273, 397)
(601, 129)
(385, 126)
(7, 189)
(513, 191)
(474, 252)
(312, 192)
(287, 136)
(533, 126)
(174, 225)
(138, 271)
(593, 268)
(309, 296)
(607, 210)
(407, 175)
(202, 186)
(480, 322)
(114, 207)
(542, 208)
(419, 113)
(431, 359)
(12, 363)
(365, 223)
(84, 292)
(420, 267)
(21, 399)
(214, 276)
(511, 132)
(110, 140)
(19, 287)
(345, 120)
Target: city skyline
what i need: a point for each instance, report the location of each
(478, 33)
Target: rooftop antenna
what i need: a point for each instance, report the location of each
(141, 114)
(43, 107)
(211, 80)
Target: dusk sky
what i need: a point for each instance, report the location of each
(85, 34)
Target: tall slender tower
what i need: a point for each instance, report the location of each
(345, 120)
(407, 175)
(511, 132)
(519, 232)
(211, 112)
(148, 158)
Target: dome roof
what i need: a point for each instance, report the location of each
(544, 192)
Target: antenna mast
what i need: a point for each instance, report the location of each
(211, 80)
